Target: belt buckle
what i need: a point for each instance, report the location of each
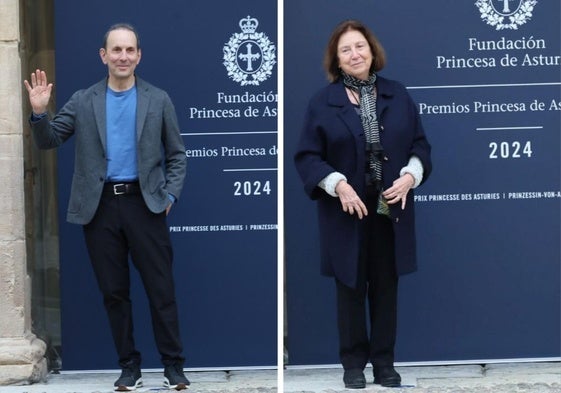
(116, 191)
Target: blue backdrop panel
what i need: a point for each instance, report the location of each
(488, 220)
(224, 226)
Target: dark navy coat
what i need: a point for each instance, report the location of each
(332, 140)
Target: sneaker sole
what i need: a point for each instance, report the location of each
(179, 386)
(123, 388)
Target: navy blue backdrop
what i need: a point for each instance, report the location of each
(488, 220)
(224, 226)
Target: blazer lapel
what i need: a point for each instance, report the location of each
(143, 99)
(99, 108)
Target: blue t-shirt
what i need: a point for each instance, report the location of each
(121, 135)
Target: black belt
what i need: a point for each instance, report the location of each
(121, 188)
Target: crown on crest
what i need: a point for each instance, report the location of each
(249, 24)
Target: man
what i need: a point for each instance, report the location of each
(129, 170)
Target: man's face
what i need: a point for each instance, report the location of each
(121, 54)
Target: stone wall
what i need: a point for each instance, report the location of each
(21, 353)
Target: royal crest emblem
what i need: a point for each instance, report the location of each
(249, 56)
(506, 14)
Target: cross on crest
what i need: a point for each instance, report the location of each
(249, 57)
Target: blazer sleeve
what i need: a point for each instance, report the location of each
(174, 150)
(49, 134)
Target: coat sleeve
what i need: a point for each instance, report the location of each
(311, 152)
(420, 146)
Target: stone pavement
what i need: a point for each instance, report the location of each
(254, 381)
(493, 378)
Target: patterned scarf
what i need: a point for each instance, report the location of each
(367, 93)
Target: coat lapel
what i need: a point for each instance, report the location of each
(385, 93)
(338, 97)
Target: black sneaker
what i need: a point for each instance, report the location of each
(174, 377)
(130, 379)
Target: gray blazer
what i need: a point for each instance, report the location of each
(160, 148)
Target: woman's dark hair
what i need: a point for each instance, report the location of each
(330, 59)
(119, 26)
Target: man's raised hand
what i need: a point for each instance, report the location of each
(39, 91)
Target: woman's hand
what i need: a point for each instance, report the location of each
(398, 191)
(349, 200)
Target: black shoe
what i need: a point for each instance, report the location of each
(387, 376)
(354, 379)
(174, 377)
(130, 379)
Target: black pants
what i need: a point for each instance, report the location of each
(122, 225)
(377, 280)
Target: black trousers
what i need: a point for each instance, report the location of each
(377, 281)
(124, 225)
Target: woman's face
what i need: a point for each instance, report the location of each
(354, 54)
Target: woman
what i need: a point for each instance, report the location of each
(361, 153)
